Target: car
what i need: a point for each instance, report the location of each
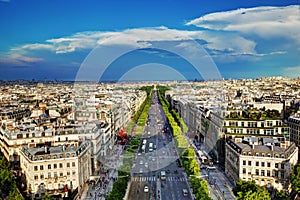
(185, 192)
(139, 153)
(141, 162)
(146, 165)
(146, 188)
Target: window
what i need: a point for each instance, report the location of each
(244, 162)
(49, 174)
(276, 174)
(268, 173)
(68, 164)
(73, 172)
(68, 173)
(263, 154)
(61, 174)
(268, 164)
(262, 172)
(282, 166)
(42, 176)
(73, 164)
(54, 166)
(35, 168)
(282, 175)
(244, 170)
(276, 165)
(60, 165)
(257, 163)
(249, 163)
(262, 164)
(41, 167)
(55, 174)
(49, 166)
(257, 172)
(36, 177)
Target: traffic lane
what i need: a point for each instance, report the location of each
(221, 185)
(137, 192)
(172, 188)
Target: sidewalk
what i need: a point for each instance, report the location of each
(222, 187)
(108, 175)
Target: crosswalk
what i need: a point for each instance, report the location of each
(153, 178)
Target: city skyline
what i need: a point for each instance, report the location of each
(50, 40)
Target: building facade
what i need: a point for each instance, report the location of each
(55, 170)
(265, 160)
(294, 125)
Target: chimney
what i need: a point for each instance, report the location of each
(64, 148)
(46, 149)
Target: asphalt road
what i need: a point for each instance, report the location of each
(159, 156)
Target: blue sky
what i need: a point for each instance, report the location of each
(51, 39)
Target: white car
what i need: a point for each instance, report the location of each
(146, 165)
(141, 162)
(146, 188)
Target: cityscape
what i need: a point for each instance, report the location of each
(149, 100)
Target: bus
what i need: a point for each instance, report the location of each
(162, 175)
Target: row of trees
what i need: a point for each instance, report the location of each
(142, 113)
(8, 187)
(199, 186)
(255, 114)
(180, 140)
(189, 162)
(120, 185)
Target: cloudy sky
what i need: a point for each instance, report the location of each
(154, 39)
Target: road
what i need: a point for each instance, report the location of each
(159, 155)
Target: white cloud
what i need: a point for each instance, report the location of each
(266, 22)
(141, 37)
(19, 60)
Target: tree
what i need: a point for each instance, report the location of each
(14, 194)
(295, 178)
(6, 181)
(200, 188)
(282, 196)
(47, 197)
(248, 190)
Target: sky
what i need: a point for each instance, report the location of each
(148, 40)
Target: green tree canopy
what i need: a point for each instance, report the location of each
(248, 190)
(295, 178)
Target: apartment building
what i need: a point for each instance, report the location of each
(294, 125)
(55, 170)
(267, 161)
